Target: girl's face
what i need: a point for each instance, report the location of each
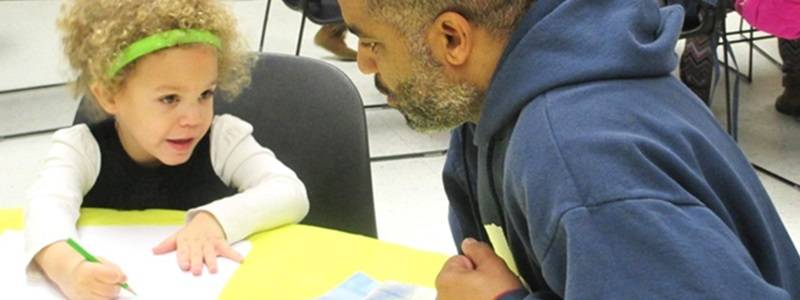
(165, 105)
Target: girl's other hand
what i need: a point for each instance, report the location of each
(199, 243)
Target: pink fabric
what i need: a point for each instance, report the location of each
(780, 18)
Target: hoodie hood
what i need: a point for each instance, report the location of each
(577, 41)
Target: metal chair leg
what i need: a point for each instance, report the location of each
(304, 6)
(264, 27)
(751, 43)
(300, 35)
(732, 106)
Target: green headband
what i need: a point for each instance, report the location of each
(160, 41)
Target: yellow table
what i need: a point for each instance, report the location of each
(291, 262)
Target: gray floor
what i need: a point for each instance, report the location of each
(410, 203)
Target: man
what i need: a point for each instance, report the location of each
(591, 172)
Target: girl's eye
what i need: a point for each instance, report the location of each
(169, 99)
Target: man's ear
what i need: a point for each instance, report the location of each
(103, 98)
(451, 38)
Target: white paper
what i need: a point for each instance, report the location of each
(130, 247)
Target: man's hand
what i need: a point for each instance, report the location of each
(478, 274)
(199, 243)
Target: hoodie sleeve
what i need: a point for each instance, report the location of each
(651, 249)
(70, 170)
(270, 194)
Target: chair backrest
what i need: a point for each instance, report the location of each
(310, 114)
(318, 11)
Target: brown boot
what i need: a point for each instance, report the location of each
(331, 38)
(788, 103)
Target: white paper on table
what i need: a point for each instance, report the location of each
(130, 247)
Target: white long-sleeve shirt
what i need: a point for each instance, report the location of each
(269, 193)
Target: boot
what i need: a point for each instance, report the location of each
(788, 103)
(697, 66)
(331, 37)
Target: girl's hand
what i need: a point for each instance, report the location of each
(78, 278)
(198, 243)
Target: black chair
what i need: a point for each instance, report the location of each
(310, 114)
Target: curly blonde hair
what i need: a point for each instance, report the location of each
(95, 32)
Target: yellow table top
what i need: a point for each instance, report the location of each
(290, 262)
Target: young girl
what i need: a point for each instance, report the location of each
(153, 67)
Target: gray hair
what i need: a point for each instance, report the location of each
(412, 16)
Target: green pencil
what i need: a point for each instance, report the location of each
(91, 258)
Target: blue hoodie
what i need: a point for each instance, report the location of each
(608, 178)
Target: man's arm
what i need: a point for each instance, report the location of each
(651, 249)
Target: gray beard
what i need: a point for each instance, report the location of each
(431, 103)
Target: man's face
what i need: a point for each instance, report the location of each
(408, 74)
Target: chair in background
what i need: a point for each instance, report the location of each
(749, 36)
(320, 12)
(310, 114)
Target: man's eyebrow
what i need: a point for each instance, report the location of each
(355, 30)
